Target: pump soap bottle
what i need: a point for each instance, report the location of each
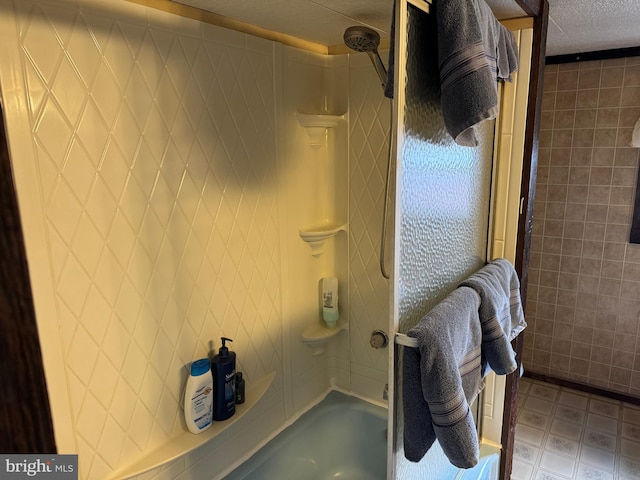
(223, 366)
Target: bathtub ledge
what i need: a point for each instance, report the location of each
(186, 442)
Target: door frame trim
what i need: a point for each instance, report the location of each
(540, 13)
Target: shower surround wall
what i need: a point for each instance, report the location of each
(162, 179)
(583, 305)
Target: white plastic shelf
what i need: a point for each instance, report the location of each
(317, 335)
(318, 235)
(317, 125)
(186, 441)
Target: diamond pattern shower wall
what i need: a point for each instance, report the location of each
(369, 132)
(156, 160)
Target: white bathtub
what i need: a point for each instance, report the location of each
(340, 438)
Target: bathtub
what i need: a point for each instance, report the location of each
(342, 437)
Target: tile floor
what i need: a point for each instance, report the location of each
(565, 434)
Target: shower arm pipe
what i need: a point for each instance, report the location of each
(379, 67)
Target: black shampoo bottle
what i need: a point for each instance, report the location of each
(223, 366)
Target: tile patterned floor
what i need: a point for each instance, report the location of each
(566, 434)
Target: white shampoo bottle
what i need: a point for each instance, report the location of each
(330, 301)
(198, 397)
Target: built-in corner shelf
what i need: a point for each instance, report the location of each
(316, 236)
(186, 441)
(317, 335)
(316, 125)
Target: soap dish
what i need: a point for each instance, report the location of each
(317, 335)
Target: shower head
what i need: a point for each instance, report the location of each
(361, 39)
(365, 40)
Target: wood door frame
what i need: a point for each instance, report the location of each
(539, 9)
(26, 424)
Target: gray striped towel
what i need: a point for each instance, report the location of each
(501, 314)
(474, 51)
(441, 378)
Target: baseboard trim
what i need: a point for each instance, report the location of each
(582, 387)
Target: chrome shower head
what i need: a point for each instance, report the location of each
(365, 40)
(361, 39)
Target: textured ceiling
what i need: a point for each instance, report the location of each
(584, 25)
(575, 25)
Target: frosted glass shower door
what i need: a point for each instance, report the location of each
(442, 208)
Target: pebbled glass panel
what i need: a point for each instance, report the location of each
(443, 208)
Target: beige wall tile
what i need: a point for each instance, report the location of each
(609, 97)
(575, 211)
(560, 138)
(601, 176)
(568, 80)
(629, 116)
(585, 118)
(580, 350)
(630, 96)
(570, 263)
(563, 119)
(617, 233)
(566, 100)
(589, 286)
(550, 80)
(607, 117)
(588, 65)
(578, 193)
(622, 195)
(612, 250)
(552, 245)
(546, 120)
(587, 98)
(624, 362)
(609, 287)
(603, 156)
(599, 371)
(613, 62)
(559, 156)
(626, 157)
(624, 177)
(605, 137)
(579, 175)
(611, 269)
(589, 79)
(548, 101)
(601, 354)
(612, 77)
(633, 253)
(624, 136)
(632, 75)
(583, 137)
(620, 214)
(557, 193)
(596, 211)
(629, 289)
(598, 194)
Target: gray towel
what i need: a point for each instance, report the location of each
(441, 378)
(501, 314)
(474, 51)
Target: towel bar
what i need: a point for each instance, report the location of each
(402, 339)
